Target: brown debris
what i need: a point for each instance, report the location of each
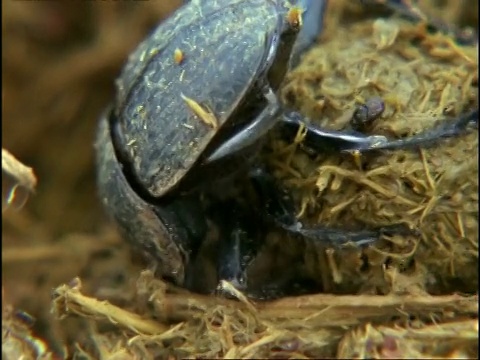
(450, 340)
(286, 327)
(69, 300)
(205, 115)
(178, 56)
(18, 181)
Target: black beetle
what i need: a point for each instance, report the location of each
(192, 106)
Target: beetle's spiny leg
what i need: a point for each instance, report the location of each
(318, 139)
(279, 209)
(340, 237)
(249, 135)
(446, 129)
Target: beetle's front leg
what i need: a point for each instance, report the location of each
(239, 241)
(320, 140)
(279, 208)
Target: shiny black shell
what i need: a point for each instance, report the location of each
(222, 46)
(137, 220)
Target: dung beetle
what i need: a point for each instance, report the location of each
(193, 104)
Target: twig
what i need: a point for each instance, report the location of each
(18, 181)
(332, 310)
(68, 299)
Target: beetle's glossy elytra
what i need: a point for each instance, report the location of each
(226, 46)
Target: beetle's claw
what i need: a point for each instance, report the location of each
(322, 140)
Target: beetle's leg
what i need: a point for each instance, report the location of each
(321, 140)
(185, 220)
(250, 135)
(447, 129)
(279, 209)
(311, 28)
(239, 242)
